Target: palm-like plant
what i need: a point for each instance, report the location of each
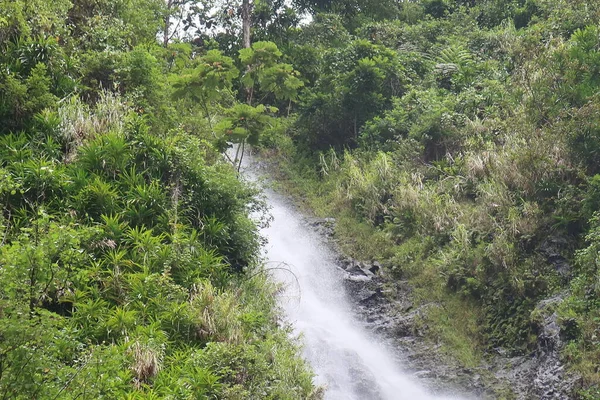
(41, 50)
(41, 179)
(120, 322)
(455, 65)
(113, 226)
(98, 197)
(109, 155)
(131, 178)
(145, 246)
(144, 202)
(14, 147)
(89, 317)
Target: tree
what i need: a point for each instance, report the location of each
(263, 72)
(246, 22)
(174, 8)
(116, 25)
(209, 82)
(353, 12)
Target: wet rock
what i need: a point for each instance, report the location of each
(551, 380)
(355, 268)
(357, 278)
(345, 263)
(404, 326)
(540, 375)
(358, 268)
(423, 374)
(367, 272)
(367, 295)
(550, 249)
(364, 384)
(371, 297)
(324, 226)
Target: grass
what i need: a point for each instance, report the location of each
(453, 321)
(454, 324)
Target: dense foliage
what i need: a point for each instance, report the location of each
(129, 265)
(455, 140)
(458, 141)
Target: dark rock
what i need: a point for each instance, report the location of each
(372, 297)
(404, 326)
(550, 249)
(324, 227)
(367, 272)
(550, 380)
(345, 263)
(355, 268)
(375, 267)
(542, 375)
(358, 268)
(367, 295)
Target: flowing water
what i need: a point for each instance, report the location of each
(348, 361)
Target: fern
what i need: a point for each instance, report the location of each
(456, 55)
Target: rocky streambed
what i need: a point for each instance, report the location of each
(386, 308)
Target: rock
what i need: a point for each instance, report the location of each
(325, 227)
(371, 297)
(542, 375)
(358, 268)
(367, 272)
(375, 267)
(550, 249)
(423, 374)
(357, 278)
(355, 268)
(367, 295)
(404, 326)
(345, 263)
(549, 340)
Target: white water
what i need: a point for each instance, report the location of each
(348, 361)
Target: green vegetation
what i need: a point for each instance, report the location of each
(129, 266)
(455, 141)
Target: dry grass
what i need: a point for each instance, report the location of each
(80, 122)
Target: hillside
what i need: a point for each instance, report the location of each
(129, 266)
(456, 142)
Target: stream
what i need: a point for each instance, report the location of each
(349, 362)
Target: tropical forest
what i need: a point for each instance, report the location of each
(426, 172)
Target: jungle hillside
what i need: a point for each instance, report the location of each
(456, 142)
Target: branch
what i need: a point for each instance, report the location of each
(281, 266)
(72, 377)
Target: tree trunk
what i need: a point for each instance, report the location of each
(246, 22)
(167, 23)
(166, 35)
